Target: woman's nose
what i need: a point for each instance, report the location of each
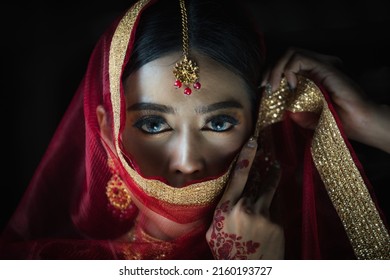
(186, 156)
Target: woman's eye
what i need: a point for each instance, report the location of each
(220, 123)
(152, 125)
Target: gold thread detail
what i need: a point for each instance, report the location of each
(344, 184)
(119, 43)
(196, 194)
(272, 107)
(348, 192)
(307, 97)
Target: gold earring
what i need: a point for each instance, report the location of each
(118, 195)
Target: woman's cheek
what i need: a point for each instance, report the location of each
(149, 156)
(222, 151)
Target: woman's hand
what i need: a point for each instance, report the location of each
(362, 120)
(241, 227)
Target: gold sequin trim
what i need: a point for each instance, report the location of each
(272, 107)
(343, 181)
(196, 194)
(307, 97)
(119, 43)
(348, 192)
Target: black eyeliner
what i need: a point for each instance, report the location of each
(139, 123)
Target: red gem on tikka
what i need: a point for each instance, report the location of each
(187, 91)
(197, 85)
(177, 84)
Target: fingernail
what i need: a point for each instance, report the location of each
(268, 89)
(252, 142)
(291, 87)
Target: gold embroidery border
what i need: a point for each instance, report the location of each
(196, 194)
(343, 181)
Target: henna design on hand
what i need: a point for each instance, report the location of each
(228, 246)
(242, 164)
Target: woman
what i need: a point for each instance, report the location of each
(153, 156)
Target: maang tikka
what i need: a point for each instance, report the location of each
(186, 71)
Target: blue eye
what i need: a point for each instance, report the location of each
(152, 125)
(220, 123)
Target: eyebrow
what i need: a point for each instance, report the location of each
(151, 107)
(218, 106)
(146, 106)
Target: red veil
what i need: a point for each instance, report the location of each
(326, 203)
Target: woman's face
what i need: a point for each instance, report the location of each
(179, 137)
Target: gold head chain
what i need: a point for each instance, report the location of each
(186, 71)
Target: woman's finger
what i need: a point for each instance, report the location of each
(296, 60)
(240, 173)
(277, 72)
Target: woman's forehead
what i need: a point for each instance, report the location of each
(154, 82)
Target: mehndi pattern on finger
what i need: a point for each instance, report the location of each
(225, 246)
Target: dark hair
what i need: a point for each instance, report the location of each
(219, 29)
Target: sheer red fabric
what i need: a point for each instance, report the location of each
(66, 214)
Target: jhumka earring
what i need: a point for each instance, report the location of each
(118, 195)
(186, 71)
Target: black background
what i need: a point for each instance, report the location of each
(46, 47)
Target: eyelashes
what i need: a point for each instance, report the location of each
(220, 123)
(154, 124)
